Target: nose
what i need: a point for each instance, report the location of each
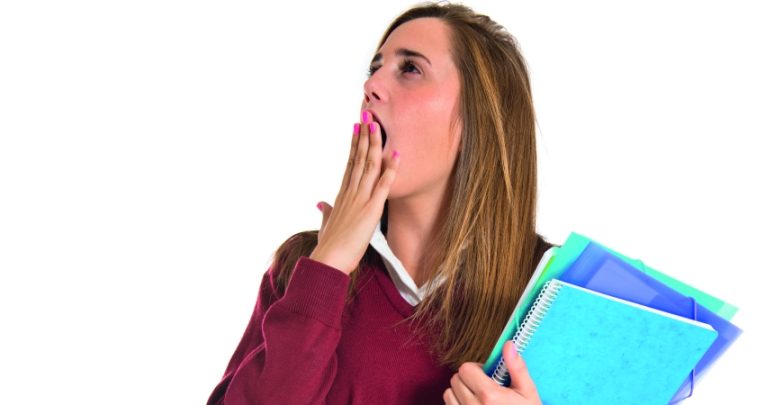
(368, 99)
(374, 90)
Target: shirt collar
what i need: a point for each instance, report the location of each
(404, 282)
(401, 278)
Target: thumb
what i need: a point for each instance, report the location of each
(520, 379)
(326, 211)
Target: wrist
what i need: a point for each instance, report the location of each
(328, 260)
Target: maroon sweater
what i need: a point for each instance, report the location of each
(310, 347)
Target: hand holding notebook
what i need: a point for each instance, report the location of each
(470, 385)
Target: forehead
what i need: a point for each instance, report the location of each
(427, 35)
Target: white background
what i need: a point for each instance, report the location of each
(153, 155)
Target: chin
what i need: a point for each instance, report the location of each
(396, 191)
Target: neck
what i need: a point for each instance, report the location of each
(413, 223)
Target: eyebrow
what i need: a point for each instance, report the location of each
(402, 52)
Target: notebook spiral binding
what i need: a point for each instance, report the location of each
(529, 325)
(500, 375)
(536, 313)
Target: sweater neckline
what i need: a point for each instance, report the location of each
(403, 281)
(389, 288)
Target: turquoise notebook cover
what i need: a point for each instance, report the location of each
(599, 270)
(583, 347)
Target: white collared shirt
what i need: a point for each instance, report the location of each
(404, 281)
(401, 278)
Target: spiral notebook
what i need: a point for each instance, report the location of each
(599, 270)
(581, 346)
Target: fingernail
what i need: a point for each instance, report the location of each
(372, 127)
(319, 206)
(356, 127)
(365, 117)
(395, 154)
(513, 351)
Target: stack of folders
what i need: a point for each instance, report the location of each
(596, 327)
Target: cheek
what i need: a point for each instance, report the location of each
(426, 151)
(429, 116)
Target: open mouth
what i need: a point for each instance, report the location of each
(384, 135)
(382, 129)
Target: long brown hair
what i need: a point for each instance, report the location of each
(487, 244)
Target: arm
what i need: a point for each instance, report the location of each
(287, 354)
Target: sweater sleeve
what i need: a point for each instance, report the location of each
(287, 354)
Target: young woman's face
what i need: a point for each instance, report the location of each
(415, 99)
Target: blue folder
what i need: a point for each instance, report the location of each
(598, 270)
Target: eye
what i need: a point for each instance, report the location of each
(407, 66)
(372, 70)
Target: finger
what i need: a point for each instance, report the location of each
(450, 398)
(352, 154)
(382, 189)
(359, 159)
(475, 380)
(461, 391)
(326, 211)
(520, 379)
(372, 164)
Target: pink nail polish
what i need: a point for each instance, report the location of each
(318, 206)
(372, 127)
(395, 154)
(356, 127)
(365, 117)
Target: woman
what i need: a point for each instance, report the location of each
(430, 242)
